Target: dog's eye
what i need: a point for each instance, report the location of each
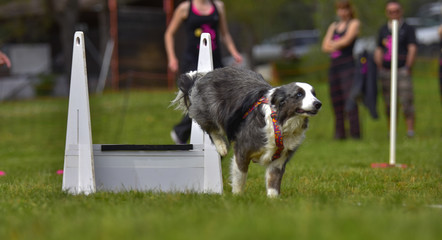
(299, 95)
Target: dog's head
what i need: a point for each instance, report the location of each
(295, 99)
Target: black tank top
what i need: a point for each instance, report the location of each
(195, 25)
(345, 52)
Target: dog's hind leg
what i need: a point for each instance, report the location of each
(274, 172)
(238, 174)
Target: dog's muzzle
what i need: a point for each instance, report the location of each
(316, 106)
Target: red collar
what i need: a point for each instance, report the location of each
(276, 128)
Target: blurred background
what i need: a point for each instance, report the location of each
(125, 46)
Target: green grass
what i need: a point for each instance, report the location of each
(329, 190)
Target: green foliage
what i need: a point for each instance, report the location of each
(329, 190)
(310, 67)
(25, 26)
(314, 66)
(45, 84)
(370, 13)
(265, 18)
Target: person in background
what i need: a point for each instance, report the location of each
(198, 16)
(4, 60)
(407, 49)
(338, 42)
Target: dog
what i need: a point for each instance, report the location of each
(266, 125)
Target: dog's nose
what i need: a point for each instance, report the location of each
(317, 105)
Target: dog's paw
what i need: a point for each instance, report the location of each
(237, 189)
(222, 150)
(237, 192)
(221, 147)
(220, 144)
(272, 193)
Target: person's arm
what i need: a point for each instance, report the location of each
(411, 56)
(379, 51)
(225, 34)
(327, 41)
(178, 17)
(4, 60)
(377, 57)
(411, 49)
(351, 33)
(439, 30)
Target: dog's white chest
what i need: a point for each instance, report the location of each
(292, 136)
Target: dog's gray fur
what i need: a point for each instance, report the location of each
(218, 100)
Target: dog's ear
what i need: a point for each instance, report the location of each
(185, 82)
(279, 97)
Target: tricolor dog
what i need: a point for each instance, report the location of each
(265, 124)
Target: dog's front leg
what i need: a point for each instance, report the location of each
(220, 143)
(238, 173)
(274, 172)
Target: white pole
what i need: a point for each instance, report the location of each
(105, 66)
(213, 179)
(78, 175)
(205, 64)
(393, 106)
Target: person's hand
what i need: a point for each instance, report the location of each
(5, 60)
(334, 46)
(406, 69)
(238, 58)
(173, 65)
(329, 47)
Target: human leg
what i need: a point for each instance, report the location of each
(385, 80)
(338, 102)
(182, 130)
(406, 98)
(347, 81)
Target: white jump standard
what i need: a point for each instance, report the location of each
(88, 167)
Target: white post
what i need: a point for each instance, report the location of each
(78, 176)
(205, 64)
(120, 170)
(205, 61)
(213, 182)
(393, 106)
(105, 66)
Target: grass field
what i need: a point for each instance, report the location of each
(329, 190)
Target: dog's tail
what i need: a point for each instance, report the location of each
(185, 83)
